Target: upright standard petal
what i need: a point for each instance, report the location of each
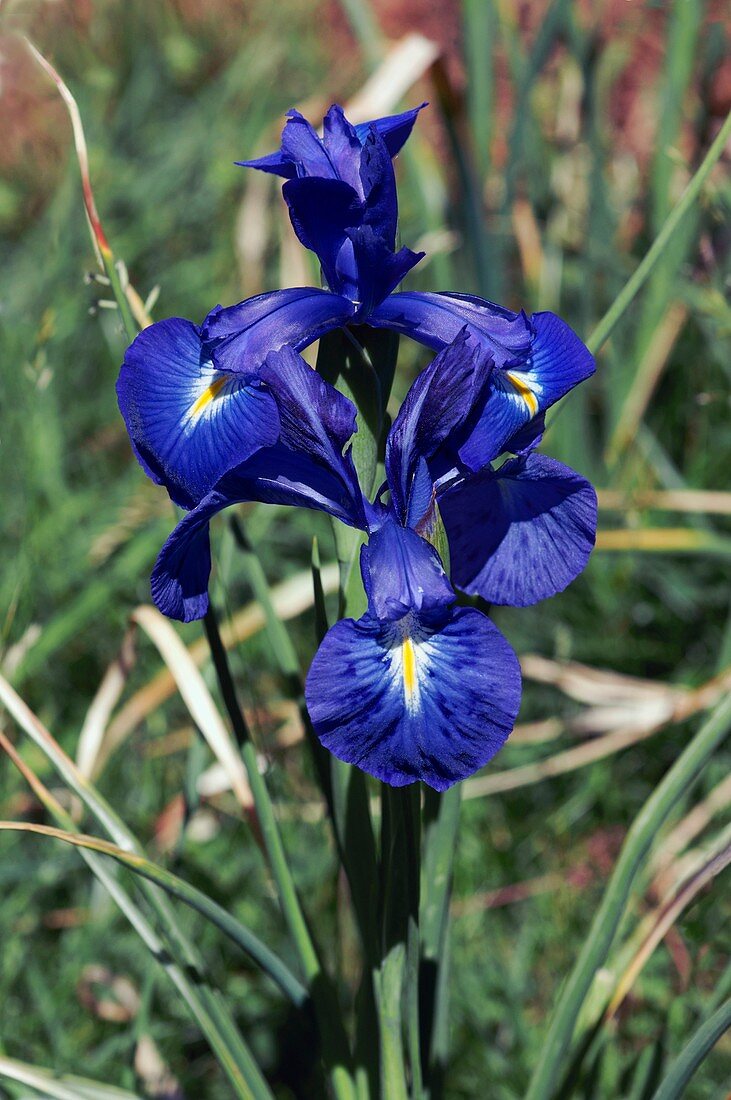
(189, 422)
(274, 475)
(303, 153)
(315, 419)
(394, 129)
(439, 404)
(429, 699)
(322, 211)
(402, 574)
(521, 534)
(239, 338)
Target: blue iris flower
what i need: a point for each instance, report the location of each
(418, 688)
(194, 397)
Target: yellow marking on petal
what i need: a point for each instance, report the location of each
(409, 667)
(525, 392)
(207, 396)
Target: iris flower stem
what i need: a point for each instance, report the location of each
(650, 819)
(621, 303)
(335, 1047)
(441, 820)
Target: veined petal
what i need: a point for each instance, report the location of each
(274, 475)
(315, 419)
(557, 362)
(239, 338)
(394, 129)
(415, 699)
(521, 534)
(402, 573)
(189, 422)
(438, 404)
(437, 319)
(538, 359)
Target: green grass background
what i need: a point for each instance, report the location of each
(171, 94)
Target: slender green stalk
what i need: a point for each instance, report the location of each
(332, 1033)
(441, 820)
(390, 974)
(651, 817)
(673, 1085)
(624, 299)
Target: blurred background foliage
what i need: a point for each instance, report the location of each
(558, 138)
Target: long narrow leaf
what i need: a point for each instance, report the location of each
(651, 817)
(177, 887)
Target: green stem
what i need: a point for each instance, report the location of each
(673, 1086)
(651, 817)
(332, 1033)
(441, 821)
(621, 303)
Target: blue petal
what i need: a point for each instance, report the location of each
(239, 338)
(189, 422)
(302, 146)
(379, 268)
(315, 418)
(394, 129)
(343, 147)
(521, 534)
(415, 700)
(438, 404)
(402, 573)
(437, 319)
(321, 212)
(557, 362)
(379, 189)
(539, 359)
(277, 164)
(303, 153)
(274, 475)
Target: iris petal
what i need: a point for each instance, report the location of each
(239, 338)
(394, 129)
(429, 700)
(522, 534)
(402, 573)
(274, 475)
(188, 422)
(438, 404)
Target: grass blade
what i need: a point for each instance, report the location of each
(177, 887)
(197, 698)
(651, 817)
(188, 969)
(691, 1056)
(60, 1087)
(637, 280)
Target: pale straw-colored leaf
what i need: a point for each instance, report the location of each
(62, 1086)
(197, 698)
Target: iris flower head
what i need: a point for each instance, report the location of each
(420, 687)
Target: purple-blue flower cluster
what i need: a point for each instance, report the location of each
(419, 688)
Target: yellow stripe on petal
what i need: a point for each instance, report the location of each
(207, 396)
(525, 392)
(408, 666)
